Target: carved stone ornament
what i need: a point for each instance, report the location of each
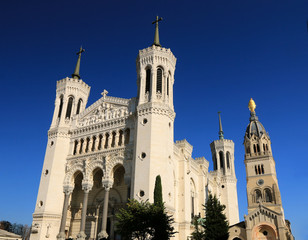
(103, 235)
(107, 184)
(68, 190)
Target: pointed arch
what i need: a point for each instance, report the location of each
(69, 176)
(148, 80)
(69, 107)
(228, 160)
(221, 159)
(60, 106)
(159, 79)
(79, 106)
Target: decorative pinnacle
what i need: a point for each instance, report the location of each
(252, 105)
(77, 68)
(221, 133)
(156, 36)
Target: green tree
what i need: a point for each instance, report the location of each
(158, 192)
(198, 233)
(216, 225)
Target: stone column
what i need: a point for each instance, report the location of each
(96, 143)
(96, 220)
(86, 188)
(122, 138)
(103, 141)
(81, 145)
(110, 140)
(153, 84)
(77, 147)
(116, 140)
(107, 184)
(67, 193)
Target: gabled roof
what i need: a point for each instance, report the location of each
(8, 235)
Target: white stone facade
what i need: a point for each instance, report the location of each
(98, 157)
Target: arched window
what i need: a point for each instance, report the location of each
(148, 81)
(266, 147)
(256, 169)
(79, 106)
(168, 85)
(228, 160)
(60, 107)
(113, 139)
(87, 145)
(81, 146)
(75, 147)
(100, 138)
(258, 195)
(221, 159)
(254, 148)
(215, 162)
(127, 135)
(258, 148)
(159, 80)
(262, 168)
(69, 107)
(248, 149)
(192, 193)
(107, 139)
(263, 147)
(120, 138)
(268, 195)
(93, 143)
(259, 169)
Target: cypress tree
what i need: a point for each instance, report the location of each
(216, 225)
(158, 192)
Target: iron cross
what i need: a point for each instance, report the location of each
(157, 20)
(80, 51)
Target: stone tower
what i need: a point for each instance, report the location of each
(265, 213)
(155, 117)
(223, 161)
(71, 99)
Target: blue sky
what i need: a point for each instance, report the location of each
(227, 52)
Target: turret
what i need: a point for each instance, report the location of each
(224, 171)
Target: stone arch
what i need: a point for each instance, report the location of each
(112, 163)
(264, 230)
(69, 176)
(97, 164)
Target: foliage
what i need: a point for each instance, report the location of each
(158, 192)
(143, 221)
(198, 233)
(19, 229)
(216, 225)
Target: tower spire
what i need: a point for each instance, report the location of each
(156, 36)
(221, 133)
(77, 68)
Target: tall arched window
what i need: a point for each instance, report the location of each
(120, 138)
(148, 81)
(192, 193)
(254, 148)
(60, 107)
(93, 143)
(75, 147)
(268, 195)
(221, 159)
(215, 162)
(113, 139)
(248, 149)
(263, 147)
(100, 139)
(258, 148)
(81, 146)
(258, 195)
(79, 106)
(69, 107)
(107, 139)
(228, 160)
(159, 80)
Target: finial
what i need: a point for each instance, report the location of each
(77, 68)
(156, 36)
(252, 105)
(221, 133)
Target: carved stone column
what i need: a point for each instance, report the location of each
(90, 144)
(122, 138)
(86, 188)
(81, 144)
(103, 141)
(116, 140)
(153, 84)
(77, 147)
(67, 193)
(107, 184)
(96, 143)
(109, 140)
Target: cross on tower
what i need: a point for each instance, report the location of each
(80, 51)
(156, 36)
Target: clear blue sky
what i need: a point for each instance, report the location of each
(227, 51)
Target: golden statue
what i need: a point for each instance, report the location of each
(252, 105)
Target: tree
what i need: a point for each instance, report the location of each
(158, 192)
(198, 233)
(216, 225)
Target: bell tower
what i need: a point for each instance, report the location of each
(223, 162)
(155, 118)
(71, 98)
(265, 219)
(262, 183)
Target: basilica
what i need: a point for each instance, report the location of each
(99, 156)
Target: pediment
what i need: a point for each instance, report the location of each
(262, 210)
(105, 109)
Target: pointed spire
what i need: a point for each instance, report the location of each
(77, 68)
(221, 133)
(156, 36)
